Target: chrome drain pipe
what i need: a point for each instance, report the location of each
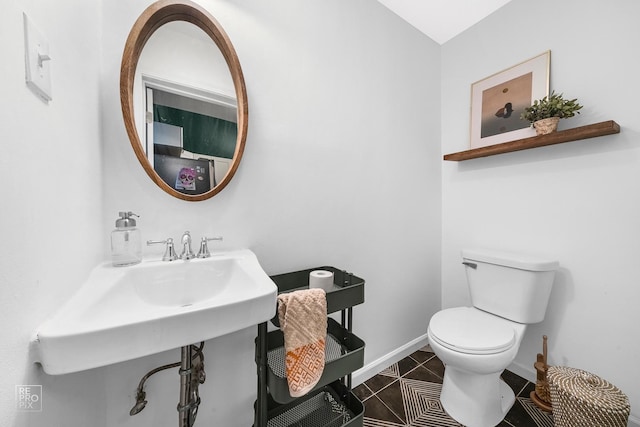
(191, 376)
(141, 394)
(191, 373)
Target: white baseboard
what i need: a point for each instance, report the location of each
(381, 363)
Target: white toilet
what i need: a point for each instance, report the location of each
(508, 292)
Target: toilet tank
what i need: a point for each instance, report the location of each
(513, 286)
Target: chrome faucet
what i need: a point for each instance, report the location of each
(187, 252)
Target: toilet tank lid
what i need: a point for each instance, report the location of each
(507, 259)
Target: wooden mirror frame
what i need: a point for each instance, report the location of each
(156, 15)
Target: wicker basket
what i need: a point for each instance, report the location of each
(582, 399)
(545, 126)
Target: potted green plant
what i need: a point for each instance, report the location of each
(545, 113)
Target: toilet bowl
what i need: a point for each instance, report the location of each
(477, 343)
(475, 348)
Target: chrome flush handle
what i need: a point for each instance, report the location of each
(470, 264)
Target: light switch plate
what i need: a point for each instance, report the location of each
(37, 60)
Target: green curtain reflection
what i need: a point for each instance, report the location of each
(201, 134)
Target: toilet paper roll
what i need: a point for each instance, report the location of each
(321, 279)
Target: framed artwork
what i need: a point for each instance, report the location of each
(498, 100)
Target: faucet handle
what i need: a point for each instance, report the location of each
(204, 248)
(169, 253)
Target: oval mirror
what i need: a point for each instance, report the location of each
(184, 99)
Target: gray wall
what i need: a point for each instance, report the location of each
(577, 202)
(341, 167)
(50, 222)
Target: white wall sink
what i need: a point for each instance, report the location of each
(121, 313)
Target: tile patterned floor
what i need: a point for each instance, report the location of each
(406, 394)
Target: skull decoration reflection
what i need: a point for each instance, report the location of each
(186, 179)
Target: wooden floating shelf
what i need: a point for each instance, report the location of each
(583, 132)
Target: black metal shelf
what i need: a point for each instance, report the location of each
(331, 403)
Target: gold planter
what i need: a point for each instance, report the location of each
(546, 126)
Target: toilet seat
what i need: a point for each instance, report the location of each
(472, 331)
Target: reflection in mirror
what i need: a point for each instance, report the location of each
(189, 143)
(183, 99)
(188, 129)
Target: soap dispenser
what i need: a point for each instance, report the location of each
(126, 244)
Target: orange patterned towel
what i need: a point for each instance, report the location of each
(303, 320)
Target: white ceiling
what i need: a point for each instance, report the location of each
(442, 20)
